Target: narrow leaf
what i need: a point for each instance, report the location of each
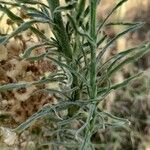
(69, 6)
(28, 51)
(80, 8)
(132, 28)
(119, 85)
(46, 111)
(129, 60)
(12, 86)
(114, 9)
(24, 26)
(10, 14)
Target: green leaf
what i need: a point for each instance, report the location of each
(130, 59)
(48, 80)
(2, 39)
(68, 121)
(59, 30)
(69, 77)
(132, 28)
(40, 34)
(113, 60)
(80, 8)
(69, 6)
(29, 50)
(124, 54)
(45, 11)
(62, 65)
(35, 13)
(41, 56)
(86, 12)
(73, 23)
(101, 40)
(119, 85)
(37, 58)
(9, 3)
(122, 23)
(114, 9)
(12, 86)
(32, 2)
(46, 111)
(24, 26)
(63, 93)
(114, 117)
(10, 14)
(113, 65)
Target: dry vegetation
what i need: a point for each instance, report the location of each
(131, 102)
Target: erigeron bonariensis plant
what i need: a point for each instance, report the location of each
(77, 47)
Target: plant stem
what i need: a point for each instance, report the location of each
(63, 39)
(76, 94)
(93, 67)
(93, 70)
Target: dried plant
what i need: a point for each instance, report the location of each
(77, 46)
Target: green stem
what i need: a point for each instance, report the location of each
(75, 95)
(63, 39)
(93, 67)
(93, 70)
(90, 127)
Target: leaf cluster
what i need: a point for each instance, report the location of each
(77, 47)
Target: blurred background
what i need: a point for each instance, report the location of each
(132, 102)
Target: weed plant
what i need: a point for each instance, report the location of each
(77, 47)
